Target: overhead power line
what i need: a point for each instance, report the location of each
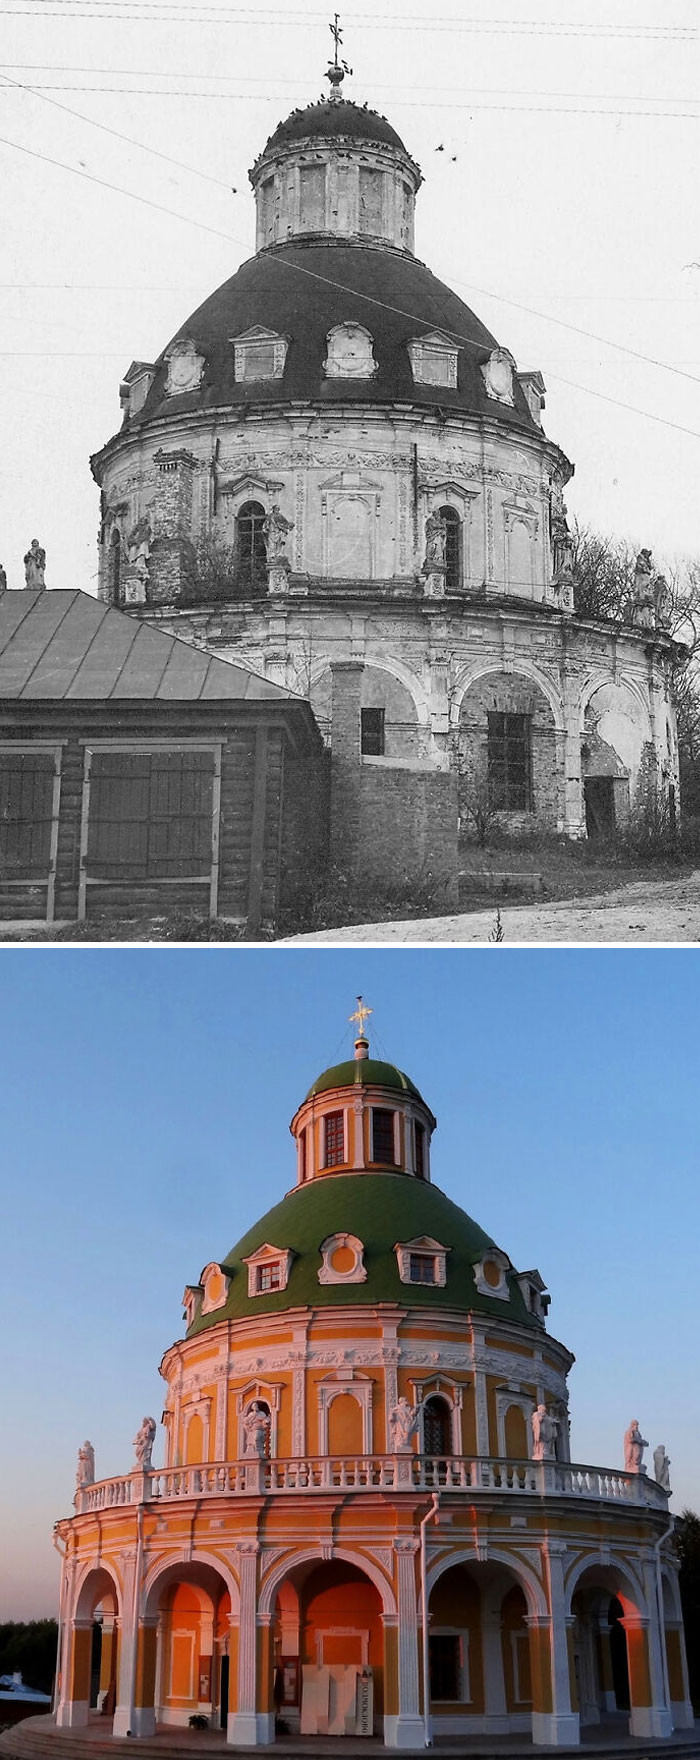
(115, 132)
(172, 11)
(406, 103)
(326, 280)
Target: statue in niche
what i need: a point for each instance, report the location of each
(86, 1466)
(497, 373)
(661, 1467)
(275, 530)
(562, 545)
(143, 1444)
(435, 542)
(35, 567)
(634, 1446)
(256, 1427)
(544, 1431)
(403, 1424)
(641, 610)
(138, 551)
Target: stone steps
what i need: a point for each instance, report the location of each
(36, 1738)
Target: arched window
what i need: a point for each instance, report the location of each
(115, 568)
(251, 555)
(453, 548)
(437, 1427)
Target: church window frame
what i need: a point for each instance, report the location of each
(250, 548)
(509, 761)
(259, 355)
(214, 1297)
(276, 1260)
(334, 1139)
(434, 360)
(458, 1638)
(453, 547)
(421, 1248)
(493, 1261)
(350, 352)
(261, 1393)
(373, 732)
(384, 1145)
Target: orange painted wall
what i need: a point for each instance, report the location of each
(339, 1595)
(516, 1434)
(345, 1426)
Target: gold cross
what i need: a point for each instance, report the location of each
(361, 1015)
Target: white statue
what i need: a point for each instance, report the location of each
(641, 608)
(435, 542)
(275, 529)
(544, 1430)
(661, 1467)
(35, 567)
(143, 1444)
(256, 1425)
(634, 1445)
(86, 1466)
(403, 1424)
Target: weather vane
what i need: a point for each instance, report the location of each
(361, 1015)
(337, 69)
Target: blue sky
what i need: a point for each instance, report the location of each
(146, 1100)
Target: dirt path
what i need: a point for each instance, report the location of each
(645, 912)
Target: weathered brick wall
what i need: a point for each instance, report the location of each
(305, 834)
(514, 694)
(408, 829)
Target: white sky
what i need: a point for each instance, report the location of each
(573, 191)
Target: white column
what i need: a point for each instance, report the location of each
(406, 1729)
(561, 1724)
(245, 1727)
(73, 1713)
(481, 1412)
(654, 1719)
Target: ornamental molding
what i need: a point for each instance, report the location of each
(185, 367)
(248, 483)
(384, 1557)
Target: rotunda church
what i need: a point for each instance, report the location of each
(367, 1519)
(335, 474)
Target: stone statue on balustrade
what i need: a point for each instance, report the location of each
(661, 1467)
(435, 565)
(256, 1427)
(544, 1434)
(640, 610)
(86, 1466)
(35, 567)
(276, 528)
(3, 580)
(143, 1444)
(403, 1424)
(634, 1446)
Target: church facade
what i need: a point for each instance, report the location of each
(335, 474)
(367, 1519)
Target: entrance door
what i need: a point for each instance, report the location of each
(599, 801)
(223, 1693)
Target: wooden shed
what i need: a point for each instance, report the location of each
(140, 776)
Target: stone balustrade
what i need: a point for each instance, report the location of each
(451, 1474)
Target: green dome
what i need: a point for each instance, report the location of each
(369, 1072)
(381, 1210)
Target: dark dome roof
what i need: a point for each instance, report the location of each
(367, 1070)
(333, 117)
(381, 1210)
(301, 291)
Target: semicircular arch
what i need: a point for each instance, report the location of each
(523, 1574)
(182, 1567)
(595, 682)
(85, 1602)
(479, 670)
(309, 1554)
(614, 1576)
(392, 668)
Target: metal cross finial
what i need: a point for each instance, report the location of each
(361, 1015)
(337, 68)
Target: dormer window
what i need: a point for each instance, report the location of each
(349, 353)
(434, 360)
(190, 1302)
(343, 1261)
(423, 1261)
(135, 386)
(490, 1274)
(383, 1143)
(534, 1293)
(334, 1139)
(268, 1269)
(215, 1285)
(258, 354)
